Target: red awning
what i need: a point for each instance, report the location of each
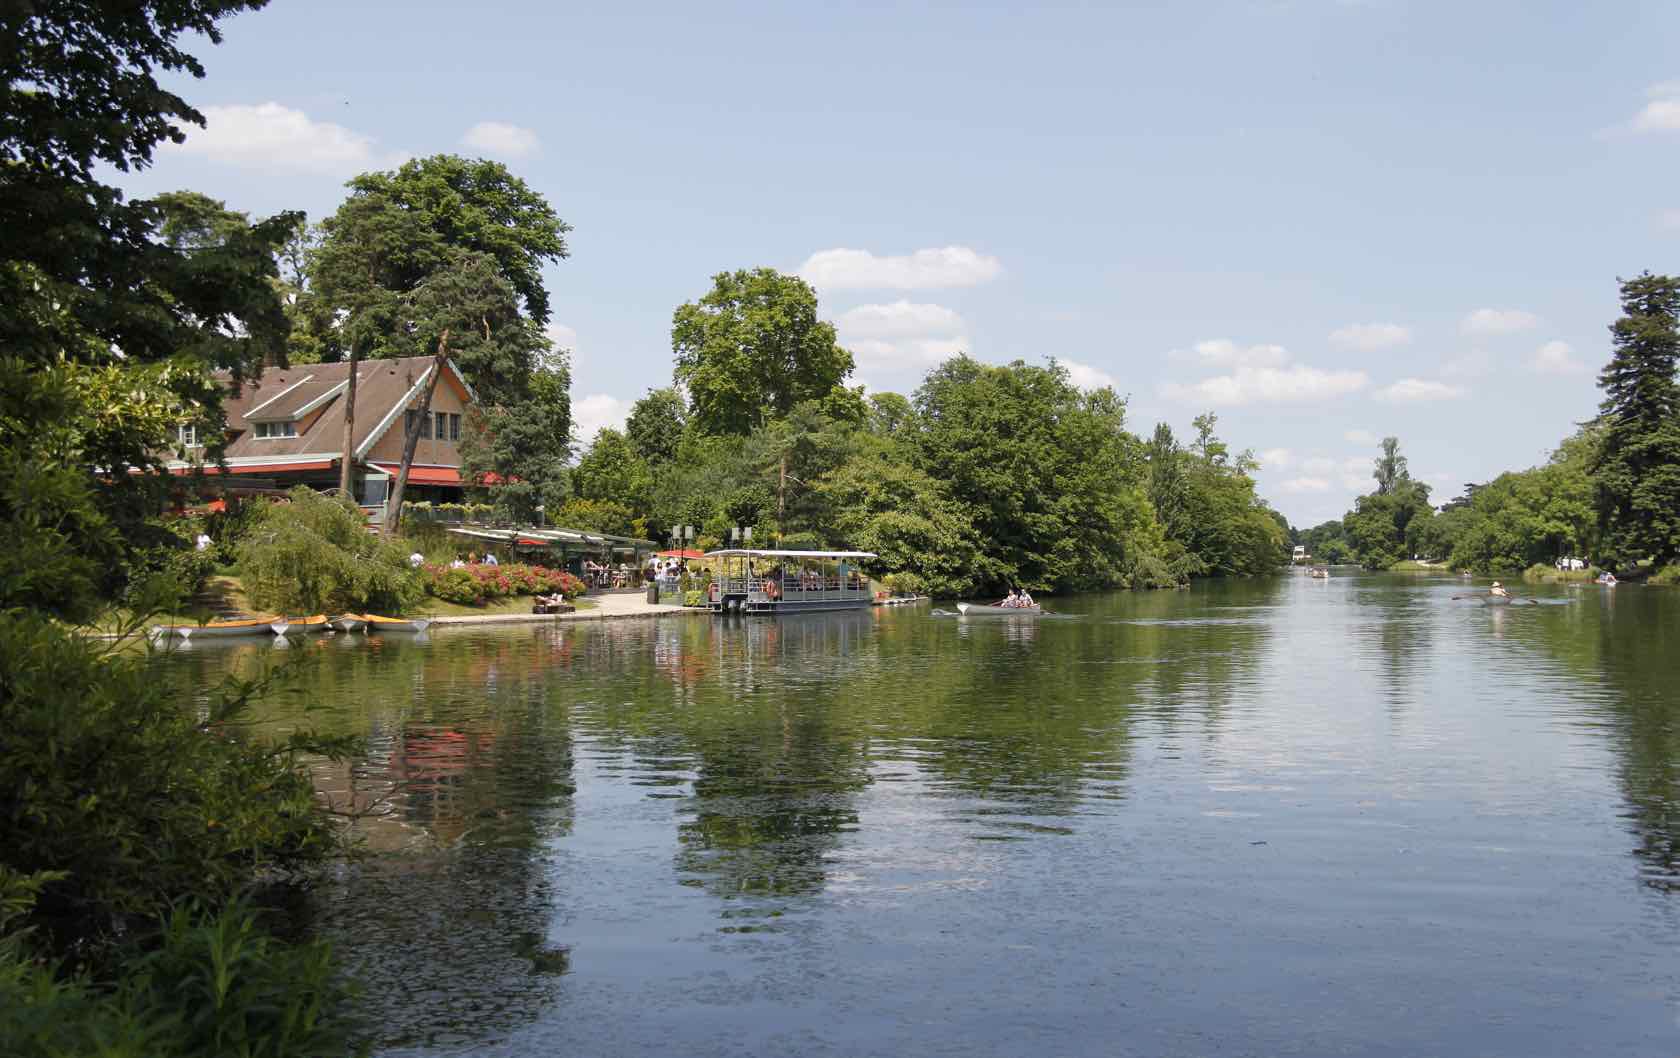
(424, 475)
(686, 553)
(264, 469)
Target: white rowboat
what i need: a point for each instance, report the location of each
(214, 629)
(416, 625)
(972, 609)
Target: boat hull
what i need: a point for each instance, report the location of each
(396, 625)
(970, 609)
(301, 626)
(348, 624)
(214, 630)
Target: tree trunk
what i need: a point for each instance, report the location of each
(347, 471)
(393, 507)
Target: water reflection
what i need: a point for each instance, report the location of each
(697, 836)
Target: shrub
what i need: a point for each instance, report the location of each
(694, 598)
(314, 553)
(1668, 575)
(904, 583)
(478, 584)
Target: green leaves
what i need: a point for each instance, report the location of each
(314, 554)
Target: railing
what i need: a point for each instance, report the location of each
(794, 588)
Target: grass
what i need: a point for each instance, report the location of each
(511, 604)
(1414, 566)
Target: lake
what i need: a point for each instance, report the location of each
(1281, 817)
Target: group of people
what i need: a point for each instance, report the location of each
(1018, 599)
(416, 560)
(603, 574)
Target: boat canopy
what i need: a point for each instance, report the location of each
(736, 552)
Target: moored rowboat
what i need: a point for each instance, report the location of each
(349, 623)
(214, 629)
(375, 623)
(284, 626)
(971, 609)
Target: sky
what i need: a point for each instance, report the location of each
(1326, 222)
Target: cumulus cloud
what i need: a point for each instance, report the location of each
(1367, 337)
(1268, 385)
(1360, 437)
(563, 336)
(1498, 321)
(931, 269)
(1416, 390)
(1275, 458)
(596, 412)
(501, 139)
(269, 135)
(1306, 484)
(897, 320)
(1087, 377)
(1223, 352)
(1556, 358)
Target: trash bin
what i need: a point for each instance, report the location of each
(653, 593)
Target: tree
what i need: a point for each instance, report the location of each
(1637, 469)
(400, 231)
(313, 554)
(752, 348)
(612, 471)
(1390, 468)
(656, 423)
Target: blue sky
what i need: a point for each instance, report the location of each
(1324, 221)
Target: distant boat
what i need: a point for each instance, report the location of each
(284, 626)
(416, 625)
(215, 629)
(973, 609)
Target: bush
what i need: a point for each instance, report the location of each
(905, 583)
(478, 584)
(314, 554)
(1667, 576)
(694, 598)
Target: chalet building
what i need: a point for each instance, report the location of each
(287, 428)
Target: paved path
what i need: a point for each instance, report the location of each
(606, 608)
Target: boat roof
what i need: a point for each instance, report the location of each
(746, 552)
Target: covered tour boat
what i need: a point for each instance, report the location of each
(771, 582)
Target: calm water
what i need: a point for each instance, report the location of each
(1280, 818)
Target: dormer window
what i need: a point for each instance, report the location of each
(188, 436)
(274, 430)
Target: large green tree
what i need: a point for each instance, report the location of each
(752, 348)
(655, 426)
(1637, 471)
(439, 225)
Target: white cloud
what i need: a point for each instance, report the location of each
(949, 266)
(1556, 358)
(1306, 484)
(1223, 352)
(1474, 364)
(916, 353)
(269, 135)
(1268, 385)
(897, 320)
(501, 139)
(1498, 321)
(1662, 112)
(1087, 377)
(1360, 437)
(1669, 219)
(1413, 390)
(563, 336)
(1276, 458)
(1370, 336)
(597, 411)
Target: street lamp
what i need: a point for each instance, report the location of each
(540, 510)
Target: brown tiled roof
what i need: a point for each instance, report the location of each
(380, 388)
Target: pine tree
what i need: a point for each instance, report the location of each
(1637, 474)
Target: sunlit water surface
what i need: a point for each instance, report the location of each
(1290, 817)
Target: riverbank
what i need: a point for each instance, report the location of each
(617, 607)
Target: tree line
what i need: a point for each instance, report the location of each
(985, 476)
(1609, 493)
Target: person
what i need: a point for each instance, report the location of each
(457, 563)
(416, 560)
(1499, 591)
(203, 541)
(490, 559)
(1607, 577)
(1026, 602)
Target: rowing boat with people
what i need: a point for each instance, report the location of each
(974, 609)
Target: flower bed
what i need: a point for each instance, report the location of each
(476, 585)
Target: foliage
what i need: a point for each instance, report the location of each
(752, 348)
(599, 516)
(214, 984)
(694, 598)
(477, 584)
(135, 800)
(314, 554)
(1390, 471)
(612, 471)
(425, 510)
(655, 427)
(1667, 576)
(1637, 470)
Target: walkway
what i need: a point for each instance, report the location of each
(611, 607)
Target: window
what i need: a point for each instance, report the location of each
(454, 427)
(442, 425)
(276, 429)
(425, 424)
(188, 436)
